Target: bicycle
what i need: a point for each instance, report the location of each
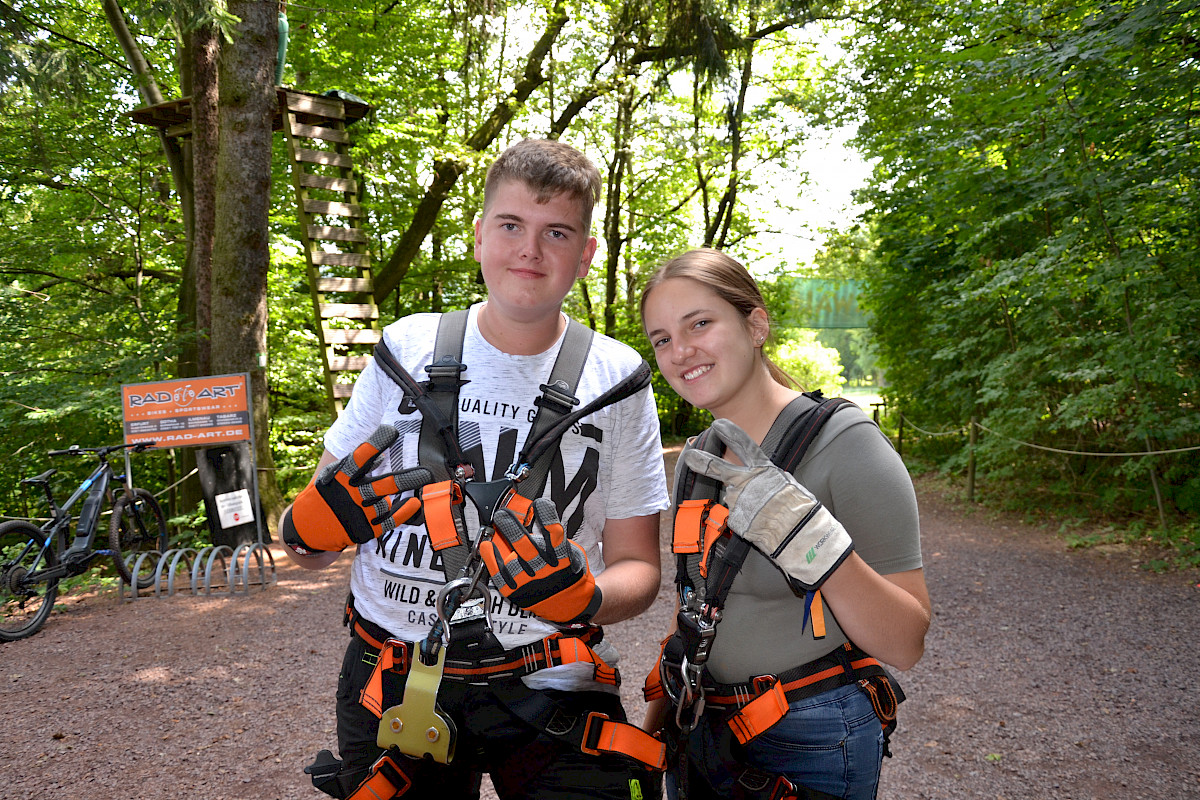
(40, 557)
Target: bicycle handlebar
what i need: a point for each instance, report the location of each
(76, 450)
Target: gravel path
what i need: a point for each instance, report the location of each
(1048, 674)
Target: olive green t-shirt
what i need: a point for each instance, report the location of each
(853, 469)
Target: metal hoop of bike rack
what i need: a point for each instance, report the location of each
(229, 568)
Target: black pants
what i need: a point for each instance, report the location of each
(522, 762)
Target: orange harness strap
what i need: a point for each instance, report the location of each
(652, 689)
(698, 526)
(603, 735)
(760, 713)
(384, 782)
(438, 500)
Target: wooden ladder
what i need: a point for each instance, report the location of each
(331, 231)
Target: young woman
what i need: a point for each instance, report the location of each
(841, 529)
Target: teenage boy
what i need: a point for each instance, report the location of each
(585, 555)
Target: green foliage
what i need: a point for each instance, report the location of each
(193, 528)
(814, 366)
(1174, 547)
(1035, 217)
(94, 242)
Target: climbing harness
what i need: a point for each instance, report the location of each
(418, 727)
(708, 558)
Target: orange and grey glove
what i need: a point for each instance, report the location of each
(346, 506)
(539, 568)
(771, 510)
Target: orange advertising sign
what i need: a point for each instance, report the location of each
(189, 412)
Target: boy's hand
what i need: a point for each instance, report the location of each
(345, 506)
(771, 510)
(538, 568)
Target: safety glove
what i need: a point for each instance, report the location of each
(346, 506)
(538, 568)
(772, 511)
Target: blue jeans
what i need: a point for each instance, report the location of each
(832, 742)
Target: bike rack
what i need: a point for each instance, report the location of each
(229, 568)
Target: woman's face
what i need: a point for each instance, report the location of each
(704, 347)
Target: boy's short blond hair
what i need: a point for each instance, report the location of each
(548, 168)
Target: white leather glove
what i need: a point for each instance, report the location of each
(771, 510)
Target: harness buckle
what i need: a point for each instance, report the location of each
(444, 374)
(558, 396)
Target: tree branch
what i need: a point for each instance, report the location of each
(447, 170)
(60, 35)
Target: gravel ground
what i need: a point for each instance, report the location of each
(1048, 674)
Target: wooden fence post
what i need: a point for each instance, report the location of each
(971, 438)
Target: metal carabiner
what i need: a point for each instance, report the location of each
(691, 697)
(475, 588)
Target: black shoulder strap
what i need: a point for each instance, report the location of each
(433, 413)
(558, 400)
(438, 444)
(802, 431)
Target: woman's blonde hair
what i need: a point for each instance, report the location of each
(730, 281)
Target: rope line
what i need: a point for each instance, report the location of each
(960, 431)
(1089, 453)
(911, 424)
(176, 483)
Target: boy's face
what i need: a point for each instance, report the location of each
(531, 253)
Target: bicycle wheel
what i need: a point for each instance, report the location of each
(137, 526)
(25, 601)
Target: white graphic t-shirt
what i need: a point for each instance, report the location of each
(609, 466)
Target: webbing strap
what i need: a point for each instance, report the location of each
(802, 432)
(385, 781)
(439, 439)
(593, 733)
(440, 445)
(699, 524)
(842, 666)
(557, 401)
(760, 713)
(438, 501)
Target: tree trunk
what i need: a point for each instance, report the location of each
(613, 206)
(198, 66)
(240, 259)
(206, 47)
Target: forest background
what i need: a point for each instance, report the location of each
(1027, 247)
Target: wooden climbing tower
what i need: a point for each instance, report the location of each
(327, 193)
